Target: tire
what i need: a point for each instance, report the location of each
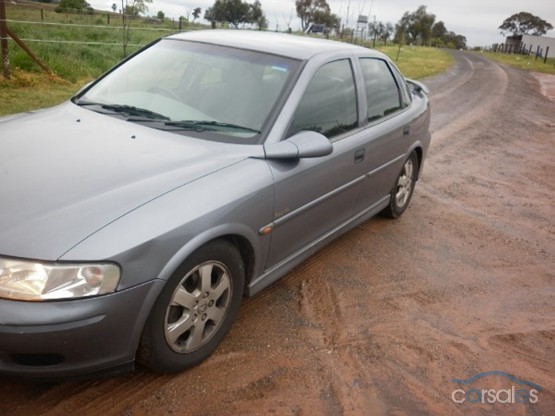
(195, 310)
(401, 193)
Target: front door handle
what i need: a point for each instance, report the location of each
(359, 155)
(406, 130)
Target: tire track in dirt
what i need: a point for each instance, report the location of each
(350, 383)
(468, 110)
(90, 397)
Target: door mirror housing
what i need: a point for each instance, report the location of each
(301, 145)
(418, 86)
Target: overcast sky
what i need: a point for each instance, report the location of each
(478, 20)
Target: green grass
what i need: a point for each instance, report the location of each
(72, 64)
(419, 62)
(527, 63)
(25, 91)
(67, 59)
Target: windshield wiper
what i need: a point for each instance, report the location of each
(134, 111)
(127, 110)
(201, 125)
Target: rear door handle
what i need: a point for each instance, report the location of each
(406, 130)
(359, 155)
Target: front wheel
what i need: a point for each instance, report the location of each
(401, 193)
(195, 310)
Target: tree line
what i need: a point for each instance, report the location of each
(417, 28)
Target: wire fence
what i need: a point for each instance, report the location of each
(77, 42)
(76, 45)
(31, 22)
(84, 26)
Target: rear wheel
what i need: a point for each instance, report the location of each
(195, 309)
(401, 193)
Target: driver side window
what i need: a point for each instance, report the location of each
(329, 104)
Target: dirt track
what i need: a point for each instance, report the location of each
(382, 320)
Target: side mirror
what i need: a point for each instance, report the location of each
(301, 145)
(418, 86)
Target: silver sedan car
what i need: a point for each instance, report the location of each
(136, 216)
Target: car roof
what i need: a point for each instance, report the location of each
(284, 44)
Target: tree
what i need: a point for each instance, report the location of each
(161, 15)
(196, 13)
(525, 23)
(307, 10)
(77, 5)
(380, 30)
(131, 8)
(415, 27)
(114, 7)
(329, 20)
(257, 16)
(439, 30)
(236, 12)
(454, 41)
(233, 12)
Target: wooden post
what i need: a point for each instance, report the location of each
(29, 51)
(4, 40)
(546, 53)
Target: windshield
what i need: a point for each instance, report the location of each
(206, 91)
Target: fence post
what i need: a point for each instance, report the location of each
(29, 51)
(537, 53)
(108, 16)
(546, 53)
(4, 40)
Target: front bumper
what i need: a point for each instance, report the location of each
(72, 338)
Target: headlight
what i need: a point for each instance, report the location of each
(27, 280)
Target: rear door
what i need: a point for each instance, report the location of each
(387, 131)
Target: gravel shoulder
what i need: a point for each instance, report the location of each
(382, 320)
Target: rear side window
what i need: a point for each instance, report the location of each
(329, 105)
(405, 91)
(382, 92)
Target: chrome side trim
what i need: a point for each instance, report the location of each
(289, 216)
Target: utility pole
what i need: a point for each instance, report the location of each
(4, 40)
(375, 34)
(348, 12)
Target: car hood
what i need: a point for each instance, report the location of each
(67, 172)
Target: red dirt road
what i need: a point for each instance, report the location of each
(381, 321)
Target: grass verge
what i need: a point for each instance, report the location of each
(29, 91)
(527, 63)
(419, 62)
